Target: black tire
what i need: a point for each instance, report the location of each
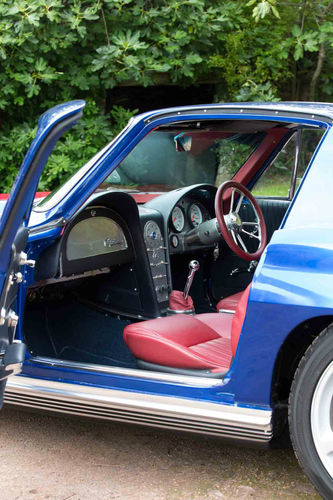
(311, 373)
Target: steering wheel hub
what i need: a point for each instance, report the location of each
(234, 222)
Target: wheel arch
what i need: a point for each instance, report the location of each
(291, 352)
(289, 356)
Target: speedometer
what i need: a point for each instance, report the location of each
(195, 215)
(178, 219)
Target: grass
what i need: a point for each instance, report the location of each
(274, 188)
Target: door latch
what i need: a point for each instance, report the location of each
(10, 317)
(24, 261)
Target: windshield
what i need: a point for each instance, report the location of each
(166, 160)
(169, 158)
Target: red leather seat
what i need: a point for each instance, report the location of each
(229, 303)
(198, 342)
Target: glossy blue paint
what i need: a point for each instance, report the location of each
(286, 290)
(314, 201)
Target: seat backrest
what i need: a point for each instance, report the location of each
(238, 320)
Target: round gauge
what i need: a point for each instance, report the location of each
(178, 219)
(195, 215)
(174, 241)
(152, 234)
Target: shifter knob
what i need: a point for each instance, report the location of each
(194, 266)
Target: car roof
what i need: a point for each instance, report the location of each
(308, 110)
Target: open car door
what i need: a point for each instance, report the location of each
(14, 230)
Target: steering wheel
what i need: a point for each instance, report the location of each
(228, 201)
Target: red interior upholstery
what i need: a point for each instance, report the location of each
(202, 341)
(177, 302)
(229, 303)
(238, 319)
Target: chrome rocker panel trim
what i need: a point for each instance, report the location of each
(237, 423)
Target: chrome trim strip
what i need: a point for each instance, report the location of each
(227, 311)
(62, 279)
(46, 227)
(214, 419)
(180, 311)
(292, 187)
(130, 372)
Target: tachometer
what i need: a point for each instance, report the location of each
(178, 219)
(195, 215)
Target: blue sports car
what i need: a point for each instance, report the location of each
(181, 279)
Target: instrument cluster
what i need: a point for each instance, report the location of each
(186, 215)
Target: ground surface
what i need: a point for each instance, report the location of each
(62, 458)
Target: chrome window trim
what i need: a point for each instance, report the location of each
(129, 372)
(215, 419)
(296, 164)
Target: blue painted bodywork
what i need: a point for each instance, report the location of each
(292, 282)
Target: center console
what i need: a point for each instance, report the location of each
(156, 246)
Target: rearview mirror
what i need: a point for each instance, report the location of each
(183, 142)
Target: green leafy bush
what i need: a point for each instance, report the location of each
(72, 151)
(56, 50)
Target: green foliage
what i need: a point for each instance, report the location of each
(56, 50)
(51, 50)
(76, 147)
(263, 8)
(260, 92)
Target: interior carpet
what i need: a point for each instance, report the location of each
(69, 330)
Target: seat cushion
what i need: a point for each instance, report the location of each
(229, 303)
(183, 341)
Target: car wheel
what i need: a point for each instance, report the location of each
(311, 413)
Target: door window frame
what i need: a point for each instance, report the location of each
(293, 177)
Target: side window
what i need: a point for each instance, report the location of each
(232, 154)
(278, 180)
(310, 140)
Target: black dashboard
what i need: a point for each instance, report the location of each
(126, 247)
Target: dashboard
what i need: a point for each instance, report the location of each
(128, 246)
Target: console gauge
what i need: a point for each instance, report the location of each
(178, 219)
(174, 241)
(195, 215)
(152, 235)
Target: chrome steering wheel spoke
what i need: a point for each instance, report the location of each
(239, 204)
(242, 244)
(251, 235)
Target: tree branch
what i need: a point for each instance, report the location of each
(105, 28)
(317, 72)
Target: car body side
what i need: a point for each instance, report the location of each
(291, 286)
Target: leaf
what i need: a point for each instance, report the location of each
(311, 45)
(298, 52)
(296, 31)
(40, 65)
(193, 59)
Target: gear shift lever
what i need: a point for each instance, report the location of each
(194, 266)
